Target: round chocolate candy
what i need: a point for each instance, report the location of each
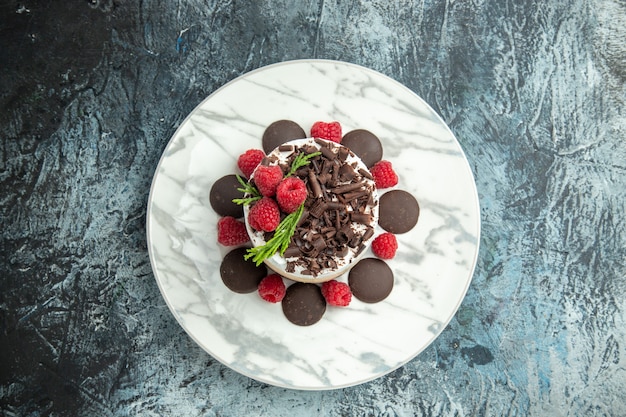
(371, 280)
(222, 194)
(398, 211)
(239, 275)
(304, 304)
(279, 132)
(365, 145)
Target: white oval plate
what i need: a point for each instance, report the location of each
(433, 267)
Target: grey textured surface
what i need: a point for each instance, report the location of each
(91, 92)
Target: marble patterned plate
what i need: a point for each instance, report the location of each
(348, 346)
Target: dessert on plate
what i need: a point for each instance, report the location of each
(311, 210)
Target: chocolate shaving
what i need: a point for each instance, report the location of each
(346, 232)
(302, 172)
(318, 243)
(335, 173)
(348, 187)
(354, 242)
(365, 173)
(343, 153)
(328, 153)
(327, 166)
(314, 267)
(347, 172)
(315, 185)
(356, 194)
(369, 232)
(317, 209)
(334, 205)
(362, 218)
(303, 218)
(330, 233)
(309, 149)
(292, 251)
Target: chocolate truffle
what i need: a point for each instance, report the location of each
(365, 145)
(239, 275)
(279, 132)
(222, 194)
(397, 211)
(304, 304)
(371, 280)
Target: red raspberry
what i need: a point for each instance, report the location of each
(336, 293)
(249, 160)
(267, 179)
(290, 194)
(329, 131)
(231, 232)
(384, 175)
(264, 215)
(385, 246)
(272, 288)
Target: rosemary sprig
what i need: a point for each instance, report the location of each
(299, 161)
(248, 189)
(286, 228)
(280, 241)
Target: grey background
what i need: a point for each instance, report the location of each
(91, 92)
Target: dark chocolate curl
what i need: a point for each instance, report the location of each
(328, 153)
(347, 187)
(315, 185)
(368, 233)
(366, 174)
(292, 251)
(303, 218)
(318, 208)
(356, 194)
(335, 205)
(347, 232)
(347, 173)
(363, 218)
(318, 243)
(342, 154)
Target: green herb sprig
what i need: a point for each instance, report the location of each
(301, 160)
(280, 241)
(248, 189)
